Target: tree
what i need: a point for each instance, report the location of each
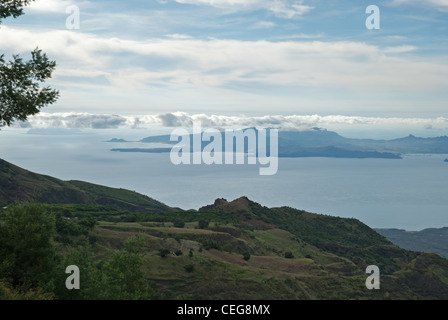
(164, 252)
(179, 224)
(118, 276)
(28, 256)
(189, 267)
(20, 92)
(90, 274)
(123, 277)
(12, 8)
(203, 224)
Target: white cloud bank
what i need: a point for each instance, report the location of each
(182, 119)
(212, 63)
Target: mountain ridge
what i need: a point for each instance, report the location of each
(18, 184)
(433, 240)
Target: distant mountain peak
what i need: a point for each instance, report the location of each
(241, 204)
(116, 140)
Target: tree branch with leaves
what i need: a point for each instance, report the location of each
(21, 94)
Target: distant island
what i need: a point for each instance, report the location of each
(323, 143)
(144, 150)
(116, 140)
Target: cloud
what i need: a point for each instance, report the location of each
(399, 49)
(73, 120)
(442, 3)
(437, 3)
(281, 8)
(182, 119)
(55, 6)
(263, 25)
(180, 62)
(287, 122)
(284, 9)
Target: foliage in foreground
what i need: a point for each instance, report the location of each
(249, 252)
(32, 264)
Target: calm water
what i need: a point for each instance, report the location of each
(411, 193)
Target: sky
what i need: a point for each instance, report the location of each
(141, 67)
(141, 62)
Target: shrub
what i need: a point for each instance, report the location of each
(179, 224)
(163, 252)
(227, 247)
(203, 224)
(189, 267)
(210, 244)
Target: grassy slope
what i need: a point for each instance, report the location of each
(316, 271)
(226, 275)
(330, 254)
(18, 184)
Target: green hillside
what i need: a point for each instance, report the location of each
(290, 254)
(18, 184)
(228, 250)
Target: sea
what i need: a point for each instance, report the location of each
(409, 193)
